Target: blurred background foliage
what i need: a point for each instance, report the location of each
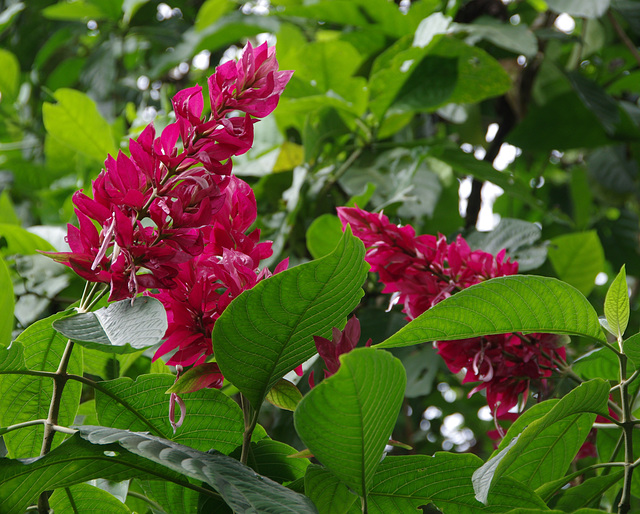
(515, 123)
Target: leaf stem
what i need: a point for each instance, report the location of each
(627, 426)
(250, 420)
(33, 422)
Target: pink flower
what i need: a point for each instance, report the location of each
(420, 271)
(343, 341)
(156, 209)
(253, 84)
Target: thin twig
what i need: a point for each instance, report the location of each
(623, 36)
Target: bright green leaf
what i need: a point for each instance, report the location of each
(26, 398)
(327, 492)
(631, 348)
(267, 331)
(118, 328)
(599, 363)
(86, 498)
(10, 77)
(213, 419)
(616, 305)
(76, 10)
(75, 122)
(211, 11)
(323, 235)
(518, 303)
(577, 259)
(404, 483)
(284, 395)
(12, 357)
(347, 419)
(546, 447)
(16, 240)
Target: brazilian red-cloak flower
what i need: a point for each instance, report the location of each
(154, 208)
(420, 271)
(342, 341)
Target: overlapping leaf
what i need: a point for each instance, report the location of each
(347, 419)
(213, 419)
(516, 303)
(267, 331)
(241, 488)
(546, 447)
(121, 327)
(86, 498)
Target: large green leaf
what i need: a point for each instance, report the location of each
(26, 398)
(546, 447)
(271, 459)
(73, 462)
(12, 357)
(588, 492)
(16, 239)
(616, 305)
(404, 483)
(518, 303)
(328, 493)
(412, 79)
(347, 419)
(240, 487)
(74, 121)
(213, 420)
(85, 498)
(577, 259)
(267, 331)
(121, 327)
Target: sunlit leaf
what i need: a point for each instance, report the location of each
(616, 305)
(518, 303)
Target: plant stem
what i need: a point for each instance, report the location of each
(627, 426)
(250, 420)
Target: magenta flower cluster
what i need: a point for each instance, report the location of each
(171, 218)
(420, 271)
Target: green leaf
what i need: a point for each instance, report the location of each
(577, 259)
(76, 10)
(7, 304)
(347, 419)
(403, 483)
(75, 122)
(327, 492)
(597, 100)
(599, 363)
(26, 398)
(9, 15)
(12, 357)
(518, 303)
(517, 237)
(546, 447)
(284, 395)
(213, 419)
(17, 240)
(587, 492)
(616, 305)
(10, 77)
(121, 327)
(86, 498)
(574, 126)
(238, 485)
(267, 331)
(517, 39)
(580, 8)
(211, 11)
(323, 235)
(73, 462)
(271, 459)
(631, 349)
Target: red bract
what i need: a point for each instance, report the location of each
(253, 84)
(156, 209)
(420, 271)
(343, 341)
(207, 284)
